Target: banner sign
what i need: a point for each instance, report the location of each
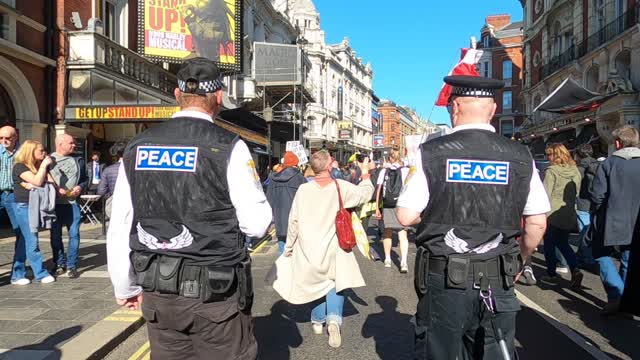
(291, 145)
(172, 30)
(277, 64)
(298, 149)
(102, 113)
(378, 140)
(345, 130)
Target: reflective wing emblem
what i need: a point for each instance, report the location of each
(458, 245)
(180, 241)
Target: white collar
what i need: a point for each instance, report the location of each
(193, 114)
(487, 127)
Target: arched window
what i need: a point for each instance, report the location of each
(591, 79)
(623, 64)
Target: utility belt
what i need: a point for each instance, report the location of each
(176, 275)
(463, 271)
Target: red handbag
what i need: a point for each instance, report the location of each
(344, 228)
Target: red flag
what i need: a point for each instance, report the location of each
(466, 66)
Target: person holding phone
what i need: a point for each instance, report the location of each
(30, 169)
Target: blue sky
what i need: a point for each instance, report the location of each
(411, 44)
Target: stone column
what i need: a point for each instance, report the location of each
(635, 60)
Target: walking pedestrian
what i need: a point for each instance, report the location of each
(31, 168)
(318, 269)
(8, 140)
(587, 166)
(562, 182)
(389, 185)
(69, 173)
(186, 192)
(280, 193)
(468, 195)
(108, 180)
(617, 206)
(95, 172)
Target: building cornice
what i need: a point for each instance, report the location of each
(6, 9)
(19, 52)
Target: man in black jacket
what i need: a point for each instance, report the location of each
(281, 190)
(617, 206)
(587, 166)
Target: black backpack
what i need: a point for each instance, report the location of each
(392, 187)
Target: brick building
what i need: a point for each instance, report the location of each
(502, 44)
(397, 122)
(27, 66)
(595, 43)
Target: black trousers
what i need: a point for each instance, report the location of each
(183, 328)
(452, 323)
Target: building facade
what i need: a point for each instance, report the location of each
(400, 121)
(502, 44)
(27, 67)
(342, 86)
(596, 43)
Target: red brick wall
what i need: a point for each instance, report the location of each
(33, 9)
(26, 36)
(133, 25)
(387, 123)
(498, 21)
(36, 77)
(82, 7)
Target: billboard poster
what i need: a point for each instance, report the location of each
(378, 140)
(172, 30)
(345, 128)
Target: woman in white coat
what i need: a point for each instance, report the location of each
(314, 266)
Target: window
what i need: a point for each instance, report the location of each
(485, 69)
(392, 115)
(506, 128)
(8, 23)
(507, 71)
(557, 40)
(487, 41)
(106, 11)
(506, 101)
(393, 127)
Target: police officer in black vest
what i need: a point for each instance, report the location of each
(186, 195)
(468, 196)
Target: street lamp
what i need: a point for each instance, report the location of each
(267, 114)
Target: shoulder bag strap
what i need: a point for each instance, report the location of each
(339, 195)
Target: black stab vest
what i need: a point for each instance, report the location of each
(187, 214)
(461, 204)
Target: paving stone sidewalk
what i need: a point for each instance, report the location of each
(35, 320)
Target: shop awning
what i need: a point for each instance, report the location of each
(566, 137)
(280, 131)
(570, 97)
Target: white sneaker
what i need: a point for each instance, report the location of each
(21, 282)
(404, 268)
(48, 279)
(317, 328)
(562, 270)
(387, 263)
(334, 335)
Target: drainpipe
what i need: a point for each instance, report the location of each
(49, 41)
(61, 62)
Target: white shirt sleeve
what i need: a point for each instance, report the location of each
(415, 192)
(252, 209)
(120, 270)
(537, 201)
(380, 179)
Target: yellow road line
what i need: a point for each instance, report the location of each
(142, 351)
(147, 356)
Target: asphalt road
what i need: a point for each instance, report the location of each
(554, 323)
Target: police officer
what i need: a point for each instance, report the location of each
(468, 195)
(185, 194)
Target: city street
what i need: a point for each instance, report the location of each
(555, 323)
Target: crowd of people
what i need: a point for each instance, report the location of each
(40, 191)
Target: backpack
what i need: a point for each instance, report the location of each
(392, 187)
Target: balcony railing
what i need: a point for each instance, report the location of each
(597, 39)
(92, 49)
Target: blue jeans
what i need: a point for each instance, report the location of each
(68, 215)
(584, 250)
(612, 278)
(282, 240)
(329, 310)
(558, 238)
(26, 247)
(7, 202)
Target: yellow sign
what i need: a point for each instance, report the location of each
(176, 29)
(123, 112)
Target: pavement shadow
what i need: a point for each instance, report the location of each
(277, 332)
(49, 344)
(391, 330)
(86, 262)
